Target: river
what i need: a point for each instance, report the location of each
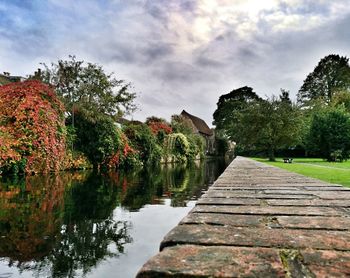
(85, 224)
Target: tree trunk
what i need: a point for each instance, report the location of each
(271, 153)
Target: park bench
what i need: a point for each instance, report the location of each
(287, 160)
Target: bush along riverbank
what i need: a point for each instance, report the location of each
(38, 135)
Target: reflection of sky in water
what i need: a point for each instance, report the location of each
(149, 204)
(149, 225)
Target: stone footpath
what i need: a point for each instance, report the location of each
(260, 221)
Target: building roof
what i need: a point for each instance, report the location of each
(7, 78)
(198, 123)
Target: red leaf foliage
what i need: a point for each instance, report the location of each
(158, 126)
(31, 126)
(124, 151)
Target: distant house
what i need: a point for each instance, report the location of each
(200, 127)
(6, 78)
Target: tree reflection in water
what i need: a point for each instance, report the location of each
(57, 225)
(63, 226)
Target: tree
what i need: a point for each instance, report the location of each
(332, 74)
(329, 134)
(89, 88)
(341, 99)
(229, 108)
(264, 125)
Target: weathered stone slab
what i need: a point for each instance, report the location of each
(313, 202)
(228, 194)
(257, 237)
(327, 188)
(204, 261)
(327, 263)
(228, 201)
(268, 210)
(292, 222)
(314, 222)
(324, 194)
(224, 220)
(253, 189)
(269, 185)
(274, 202)
(344, 195)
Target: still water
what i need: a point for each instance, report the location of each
(84, 224)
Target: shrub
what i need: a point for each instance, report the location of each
(329, 134)
(32, 131)
(178, 145)
(159, 127)
(196, 146)
(143, 140)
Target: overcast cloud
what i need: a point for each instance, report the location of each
(179, 54)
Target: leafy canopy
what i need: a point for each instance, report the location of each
(331, 75)
(258, 124)
(88, 87)
(329, 134)
(229, 108)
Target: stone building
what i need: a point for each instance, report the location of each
(200, 127)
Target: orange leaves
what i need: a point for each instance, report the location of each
(30, 116)
(158, 126)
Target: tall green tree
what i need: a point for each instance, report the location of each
(329, 134)
(270, 125)
(86, 86)
(331, 75)
(264, 125)
(229, 108)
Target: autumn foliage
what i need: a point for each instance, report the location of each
(160, 126)
(32, 130)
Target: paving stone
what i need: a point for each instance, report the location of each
(304, 203)
(345, 195)
(203, 261)
(269, 210)
(257, 237)
(271, 185)
(228, 194)
(314, 222)
(275, 202)
(228, 201)
(327, 188)
(292, 222)
(324, 194)
(223, 220)
(253, 189)
(327, 263)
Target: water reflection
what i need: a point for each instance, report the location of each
(63, 226)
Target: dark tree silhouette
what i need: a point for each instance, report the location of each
(331, 75)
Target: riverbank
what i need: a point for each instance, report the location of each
(333, 172)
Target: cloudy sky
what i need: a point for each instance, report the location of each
(179, 54)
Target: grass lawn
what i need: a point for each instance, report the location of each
(333, 172)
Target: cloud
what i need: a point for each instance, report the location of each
(179, 53)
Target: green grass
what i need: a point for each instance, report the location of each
(333, 172)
